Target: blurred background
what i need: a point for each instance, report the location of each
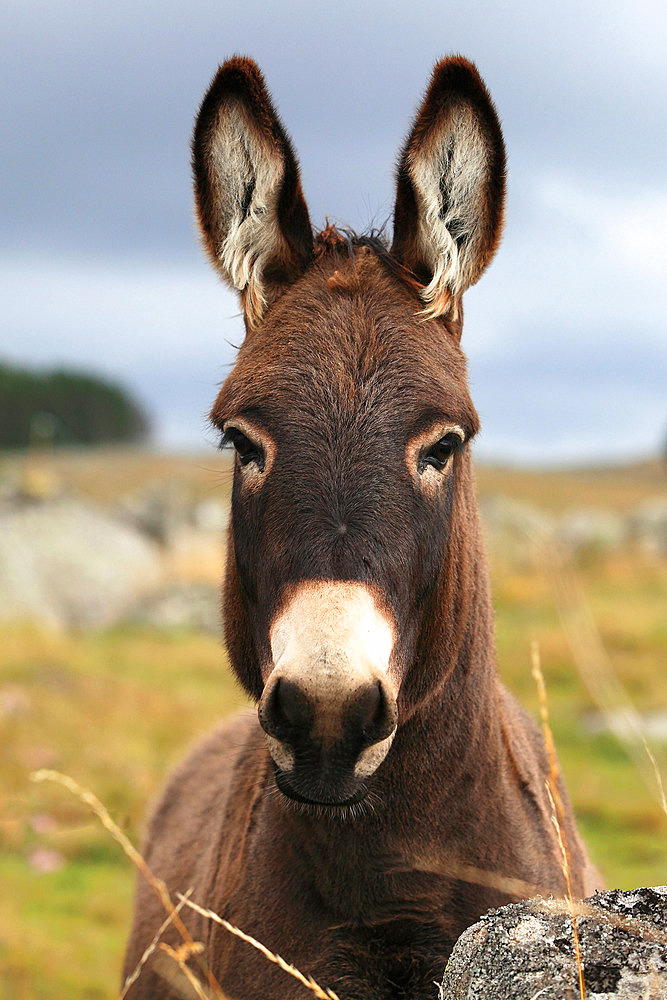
(116, 333)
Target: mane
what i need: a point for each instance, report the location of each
(336, 242)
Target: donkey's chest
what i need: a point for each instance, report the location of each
(373, 939)
(344, 911)
(398, 961)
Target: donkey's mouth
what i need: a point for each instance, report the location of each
(326, 801)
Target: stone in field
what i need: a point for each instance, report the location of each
(525, 951)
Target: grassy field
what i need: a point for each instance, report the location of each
(116, 709)
(107, 474)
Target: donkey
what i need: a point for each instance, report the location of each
(389, 790)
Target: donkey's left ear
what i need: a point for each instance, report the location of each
(251, 209)
(451, 187)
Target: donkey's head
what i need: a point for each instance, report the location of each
(349, 411)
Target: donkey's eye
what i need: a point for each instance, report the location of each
(246, 449)
(439, 454)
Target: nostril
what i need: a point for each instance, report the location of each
(370, 708)
(291, 704)
(375, 714)
(284, 710)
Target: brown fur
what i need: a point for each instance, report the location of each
(341, 373)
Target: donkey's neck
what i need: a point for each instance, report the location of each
(454, 737)
(456, 652)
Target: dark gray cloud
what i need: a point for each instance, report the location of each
(99, 101)
(100, 258)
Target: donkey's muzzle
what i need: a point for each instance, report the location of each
(324, 747)
(328, 706)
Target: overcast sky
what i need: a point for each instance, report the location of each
(99, 259)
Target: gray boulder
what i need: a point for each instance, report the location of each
(525, 951)
(159, 510)
(592, 530)
(194, 606)
(648, 525)
(65, 562)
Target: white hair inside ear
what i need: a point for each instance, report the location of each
(249, 180)
(449, 180)
(451, 187)
(253, 217)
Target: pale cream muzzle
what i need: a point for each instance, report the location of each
(331, 646)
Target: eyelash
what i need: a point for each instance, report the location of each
(246, 449)
(451, 441)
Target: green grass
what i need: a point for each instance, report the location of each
(61, 935)
(116, 709)
(619, 814)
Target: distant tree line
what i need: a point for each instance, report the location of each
(65, 407)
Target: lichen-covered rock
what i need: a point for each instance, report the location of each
(648, 525)
(193, 606)
(525, 951)
(593, 531)
(68, 563)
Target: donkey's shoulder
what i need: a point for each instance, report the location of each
(196, 796)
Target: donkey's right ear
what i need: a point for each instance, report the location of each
(251, 208)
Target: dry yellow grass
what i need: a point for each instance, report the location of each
(557, 809)
(190, 948)
(107, 474)
(160, 889)
(617, 488)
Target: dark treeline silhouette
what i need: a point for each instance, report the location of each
(65, 407)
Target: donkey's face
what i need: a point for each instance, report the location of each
(350, 415)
